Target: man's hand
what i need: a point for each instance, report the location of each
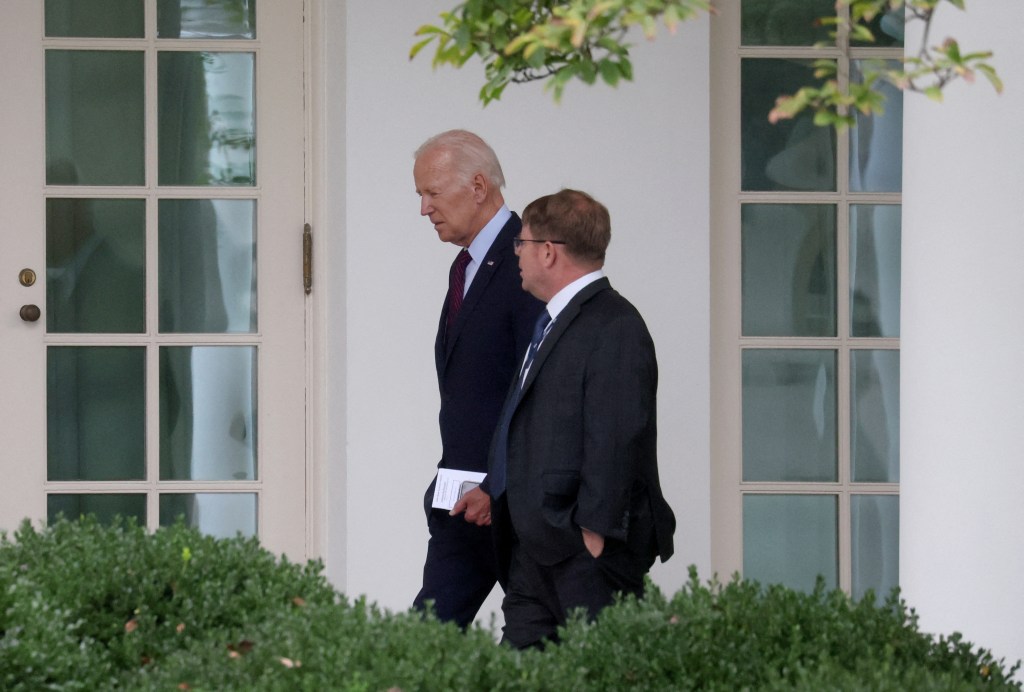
(593, 541)
(477, 506)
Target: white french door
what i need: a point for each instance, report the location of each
(152, 311)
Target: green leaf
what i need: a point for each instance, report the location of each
(419, 46)
(587, 71)
(626, 68)
(609, 72)
(429, 29)
(992, 77)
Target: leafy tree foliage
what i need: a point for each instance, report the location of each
(527, 40)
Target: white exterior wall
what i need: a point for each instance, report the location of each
(962, 414)
(641, 149)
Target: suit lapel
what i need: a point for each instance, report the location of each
(484, 273)
(558, 327)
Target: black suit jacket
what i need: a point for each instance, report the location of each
(582, 444)
(477, 360)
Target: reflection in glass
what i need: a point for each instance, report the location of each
(205, 19)
(876, 143)
(790, 540)
(95, 413)
(791, 154)
(207, 259)
(104, 507)
(774, 23)
(206, 118)
(95, 19)
(789, 415)
(875, 270)
(875, 415)
(887, 29)
(95, 265)
(87, 91)
(221, 515)
(208, 413)
(875, 525)
(789, 269)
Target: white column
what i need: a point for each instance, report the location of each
(962, 505)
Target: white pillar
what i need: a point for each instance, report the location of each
(962, 384)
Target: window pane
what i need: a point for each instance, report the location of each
(95, 265)
(104, 507)
(221, 515)
(875, 270)
(789, 415)
(94, 117)
(208, 413)
(95, 19)
(206, 18)
(790, 540)
(789, 269)
(875, 524)
(875, 416)
(95, 413)
(207, 263)
(887, 28)
(206, 118)
(774, 23)
(791, 154)
(876, 143)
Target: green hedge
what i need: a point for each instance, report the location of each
(86, 607)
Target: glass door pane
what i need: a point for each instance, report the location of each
(789, 269)
(95, 19)
(227, 19)
(789, 415)
(95, 265)
(791, 540)
(86, 92)
(875, 532)
(96, 413)
(208, 413)
(206, 118)
(791, 155)
(222, 515)
(207, 266)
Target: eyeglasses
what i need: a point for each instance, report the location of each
(517, 242)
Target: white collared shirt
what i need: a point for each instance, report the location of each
(562, 298)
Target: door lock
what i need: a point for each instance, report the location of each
(27, 277)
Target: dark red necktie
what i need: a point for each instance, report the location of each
(457, 285)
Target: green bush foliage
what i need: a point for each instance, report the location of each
(87, 607)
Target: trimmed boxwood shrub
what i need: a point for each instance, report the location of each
(87, 607)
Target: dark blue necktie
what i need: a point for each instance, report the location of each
(543, 319)
(497, 478)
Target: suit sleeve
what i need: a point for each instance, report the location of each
(619, 427)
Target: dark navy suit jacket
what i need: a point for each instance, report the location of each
(480, 355)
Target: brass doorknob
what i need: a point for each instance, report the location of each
(30, 313)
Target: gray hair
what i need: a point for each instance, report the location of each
(470, 155)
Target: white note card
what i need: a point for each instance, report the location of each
(452, 484)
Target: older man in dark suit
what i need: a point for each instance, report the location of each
(579, 512)
(482, 334)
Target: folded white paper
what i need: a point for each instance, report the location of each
(452, 484)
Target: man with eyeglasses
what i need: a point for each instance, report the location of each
(482, 333)
(578, 509)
